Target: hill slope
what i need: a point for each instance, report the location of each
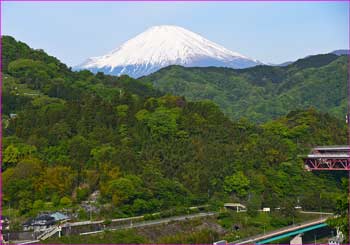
(263, 92)
(76, 132)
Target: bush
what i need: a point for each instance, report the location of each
(38, 205)
(193, 210)
(148, 217)
(82, 194)
(279, 221)
(55, 199)
(82, 214)
(223, 215)
(48, 205)
(107, 222)
(65, 202)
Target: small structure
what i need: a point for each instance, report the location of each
(39, 223)
(239, 207)
(13, 115)
(266, 209)
(5, 223)
(299, 208)
(297, 240)
(44, 221)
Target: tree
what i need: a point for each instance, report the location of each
(65, 202)
(79, 151)
(124, 189)
(237, 184)
(161, 122)
(11, 156)
(32, 72)
(122, 111)
(56, 180)
(38, 205)
(15, 152)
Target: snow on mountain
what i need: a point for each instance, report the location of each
(161, 46)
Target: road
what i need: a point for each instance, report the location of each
(88, 222)
(279, 232)
(154, 222)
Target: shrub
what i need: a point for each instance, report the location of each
(65, 202)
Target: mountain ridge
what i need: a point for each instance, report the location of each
(261, 92)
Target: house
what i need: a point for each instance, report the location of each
(39, 223)
(44, 221)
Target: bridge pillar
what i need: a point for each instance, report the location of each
(296, 240)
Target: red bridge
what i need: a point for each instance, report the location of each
(328, 158)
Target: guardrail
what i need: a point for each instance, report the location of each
(279, 231)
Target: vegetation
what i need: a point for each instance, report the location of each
(107, 237)
(242, 225)
(262, 93)
(67, 134)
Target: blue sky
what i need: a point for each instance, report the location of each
(271, 31)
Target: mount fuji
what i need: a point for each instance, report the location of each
(161, 46)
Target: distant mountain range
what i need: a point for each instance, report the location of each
(338, 52)
(262, 92)
(341, 52)
(161, 46)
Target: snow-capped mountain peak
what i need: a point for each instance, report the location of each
(164, 45)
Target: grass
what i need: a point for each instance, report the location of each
(107, 237)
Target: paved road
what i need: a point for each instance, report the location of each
(154, 222)
(88, 222)
(279, 232)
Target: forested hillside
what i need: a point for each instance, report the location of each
(262, 93)
(67, 134)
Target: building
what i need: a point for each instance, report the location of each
(5, 223)
(44, 221)
(39, 223)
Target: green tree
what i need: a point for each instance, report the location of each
(65, 202)
(237, 183)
